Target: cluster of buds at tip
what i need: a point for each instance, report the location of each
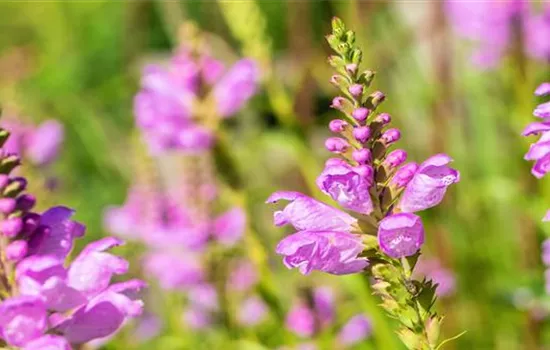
(375, 230)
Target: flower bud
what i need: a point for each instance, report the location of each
(25, 202)
(367, 77)
(8, 163)
(351, 68)
(337, 125)
(390, 136)
(11, 227)
(404, 175)
(361, 133)
(337, 80)
(356, 90)
(7, 205)
(336, 145)
(362, 156)
(360, 114)
(16, 250)
(395, 158)
(16, 186)
(376, 98)
(338, 102)
(383, 118)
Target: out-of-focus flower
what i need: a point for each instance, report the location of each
(243, 276)
(357, 329)
(323, 303)
(301, 321)
(196, 318)
(252, 311)
(494, 25)
(165, 106)
(40, 144)
(432, 270)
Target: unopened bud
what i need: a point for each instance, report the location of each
(356, 90)
(336, 145)
(15, 187)
(391, 136)
(395, 158)
(7, 205)
(376, 98)
(362, 156)
(9, 163)
(11, 227)
(337, 125)
(16, 250)
(361, 133)
(383, 118)
(360, 114)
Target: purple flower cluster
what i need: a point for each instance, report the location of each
(177, 222)
(46, 303)
(167, 104)
(39, 144)
(379, 190)
(495, 25)
(539, 152)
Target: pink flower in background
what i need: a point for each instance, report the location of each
(493, 25)
(301, 321)
(252, 312)
(356, 330)
(433, 270)
(165, 107)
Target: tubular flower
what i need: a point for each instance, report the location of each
(374, 228)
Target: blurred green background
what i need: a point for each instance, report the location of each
(80, 61)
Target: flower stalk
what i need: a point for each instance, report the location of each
(377, 231)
